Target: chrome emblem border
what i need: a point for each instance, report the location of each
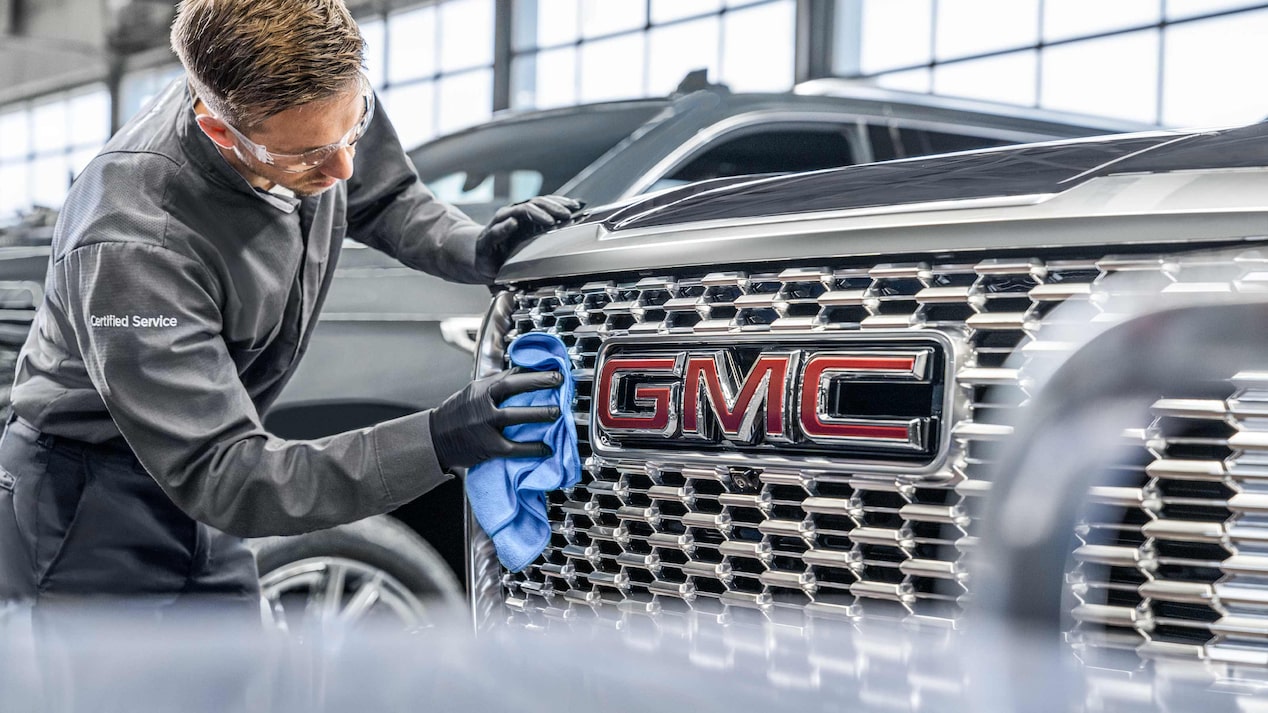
(736, 404)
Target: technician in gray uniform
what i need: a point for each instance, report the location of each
(189, 265)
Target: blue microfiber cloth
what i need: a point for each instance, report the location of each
(508, 495)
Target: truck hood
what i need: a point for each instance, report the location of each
(953, 202)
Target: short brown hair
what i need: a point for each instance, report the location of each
(250, 59)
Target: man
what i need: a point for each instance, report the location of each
(189, 265)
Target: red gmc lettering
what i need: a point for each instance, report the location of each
(714, 377)
(659, 420)
(793, 396)
(820, 370)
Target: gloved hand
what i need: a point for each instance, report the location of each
(516, 223)
(467, 428)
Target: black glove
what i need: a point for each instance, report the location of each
(467, 428)
(516, 223)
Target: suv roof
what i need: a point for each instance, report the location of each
(610, 151)
(990, 111)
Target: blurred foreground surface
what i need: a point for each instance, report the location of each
(103, 660)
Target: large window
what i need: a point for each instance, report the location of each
(436, 66)
(1211, 69)
(1173, 62)
(573, 51)
(141, 85)
(432, 66)
(48, 141)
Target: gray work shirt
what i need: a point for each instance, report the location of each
(180, 299)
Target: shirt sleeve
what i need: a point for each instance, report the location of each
(147, 322)
(389, 208)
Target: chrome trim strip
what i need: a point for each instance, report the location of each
(733, 125)
(1125, 157)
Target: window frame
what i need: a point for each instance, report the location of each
(856, 123)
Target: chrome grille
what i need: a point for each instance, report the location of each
(1165, 561)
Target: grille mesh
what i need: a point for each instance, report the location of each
(1164, 561)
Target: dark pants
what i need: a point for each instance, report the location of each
(81, 520)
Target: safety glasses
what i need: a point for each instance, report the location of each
(306, 161)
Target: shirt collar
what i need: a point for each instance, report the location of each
(203, 153)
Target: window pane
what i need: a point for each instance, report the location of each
(465, 99)
(1189, 8)
(466, 34)
(969, 27)
(523, 82)
(757, 48)
(411, 44)
(134, 91)
(545, 79)
(667, 10)
(1202, 84)
(81, 158)
(525, 185)
(453, 188)
(373, 32)
(48, 123)
(1008, 78)
(610, 69)
(50, 177)
(913, 80)
(557, 77)
(677, 49)
(412, 110)
(90, 117)
(140, 87)
(896, 33)
(555, 23)
(13, 183)
(1116, 76)
(605, 17)
(15, 139)
(777, 150)
(1073, 18)
(523, 26)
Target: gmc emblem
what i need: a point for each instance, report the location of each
(858, 398)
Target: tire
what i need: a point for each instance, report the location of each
(373, 572)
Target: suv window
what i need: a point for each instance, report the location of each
(508, 161)
(890, 142)
(769, 150)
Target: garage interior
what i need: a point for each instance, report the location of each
(73, 72)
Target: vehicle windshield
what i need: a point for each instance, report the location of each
(490, 166)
